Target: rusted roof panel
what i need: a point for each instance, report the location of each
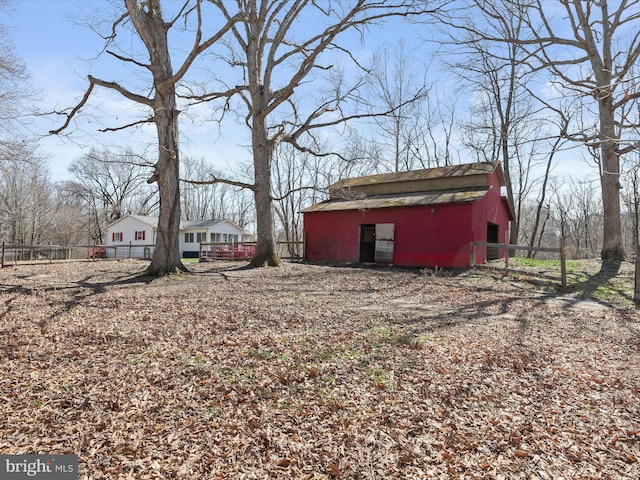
(405, 200)
(483, 168)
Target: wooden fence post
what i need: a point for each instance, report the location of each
(472, 252)
(506, 260)
(304, 247)
(563, 265)
(2, 260)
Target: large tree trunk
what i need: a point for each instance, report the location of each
(263, 149)
(612, 246)
(266, 254)
(147, 18)
(166, 256)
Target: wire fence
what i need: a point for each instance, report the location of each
(499, 250)
(15, 254)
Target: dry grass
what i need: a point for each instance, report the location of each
(315, 372)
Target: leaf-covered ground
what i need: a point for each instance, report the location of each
(314, 372)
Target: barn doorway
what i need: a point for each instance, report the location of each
(377, 243)
(493, 233)
(367, 243)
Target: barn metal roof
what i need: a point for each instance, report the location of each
(403, 200)
(481, 168)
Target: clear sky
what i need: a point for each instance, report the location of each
(52, 48)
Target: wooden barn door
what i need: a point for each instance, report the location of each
(384, 242)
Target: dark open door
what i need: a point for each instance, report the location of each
(367, 243)
(492, 237)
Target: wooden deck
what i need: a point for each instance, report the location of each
(229, 251)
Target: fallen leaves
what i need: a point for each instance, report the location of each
(309, 372)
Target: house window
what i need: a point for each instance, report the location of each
(139, 235)
(233, 238)
(215, 237)
(188, 237)
(116, 237)
(201, 237)
(225, 237)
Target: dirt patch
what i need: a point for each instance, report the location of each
(315, 372)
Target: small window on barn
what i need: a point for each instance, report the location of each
(139, 235)
(116, 237)
(188, 237)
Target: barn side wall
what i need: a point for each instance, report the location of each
(490, 209)
(433, 236)
(425, 236)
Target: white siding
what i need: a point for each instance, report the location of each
(129, 245)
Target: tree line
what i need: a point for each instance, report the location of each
(104, 186)
(541, 85)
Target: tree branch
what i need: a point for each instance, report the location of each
(75, 110)
(296, 190)
(115, 129)
(215, 179)
(130, 60)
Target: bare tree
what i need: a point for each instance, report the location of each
(434, 146)
(590, 53)
(202, 199)
(503, 124)
(299, 180)
(25, 198)
(541, 210)
(69, 220)
(276, 58)
(159, 98)
(580, 216)
(13, 75)
(394, 81)
(631, 195)
(110, 186)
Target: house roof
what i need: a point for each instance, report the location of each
(151, 221)
(403, 200)
(199, 223)
(184, 224)
(467, 169)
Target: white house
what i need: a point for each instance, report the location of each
(135, 236)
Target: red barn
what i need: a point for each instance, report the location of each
(418, 218)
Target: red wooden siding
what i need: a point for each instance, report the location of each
(419, 239)
(430, 235)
